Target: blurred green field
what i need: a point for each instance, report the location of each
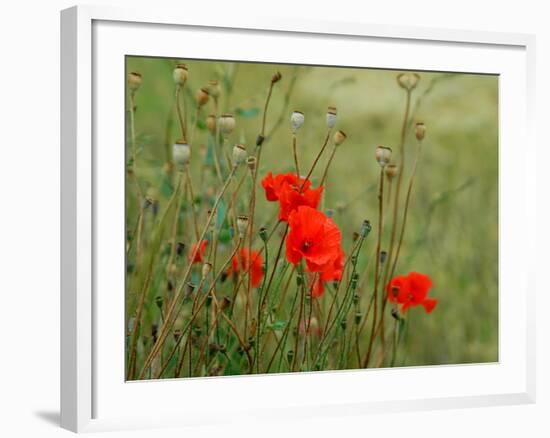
(452, 231)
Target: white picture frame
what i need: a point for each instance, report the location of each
(94, 398)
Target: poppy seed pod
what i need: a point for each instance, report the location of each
(181, 152)
(408, 81)
(180, 74)
(202, 97)
(211, 123)
(420, 131)
(391, 171)
(242, 224)
(214, 88)
(239, 154)
(134, 80)
(383, 155)
(251, 163)
(339, 137)
(227, 124)
(206, 268)
(296, 120)
(276, 77)
(331, 117)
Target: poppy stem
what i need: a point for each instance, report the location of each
(170, 312)
(325, 143)
(377, 266)
(295, 155)
(180, 113)
(134, 145)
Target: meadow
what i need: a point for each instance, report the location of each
(241, 304)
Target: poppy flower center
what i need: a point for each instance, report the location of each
(306, 245)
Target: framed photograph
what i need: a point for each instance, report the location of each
(282, 218)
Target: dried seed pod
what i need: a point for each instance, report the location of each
(391, 171)
(242, 224)
(331, 117)
(180, 74)
(420, 131)
(239, 154)
(211, 124)
(251, 163)
(383, 155)
(134, 81)
(408, 81)
(202, 97)
(206, 268)
(276, 77)
(296, 120)
(181, 152)
(227, 124)
(214, 88)
(339, 137)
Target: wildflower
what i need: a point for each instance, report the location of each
(316, 238)
(411, 290)
(291, 192)
(242, 262)
(197, 252)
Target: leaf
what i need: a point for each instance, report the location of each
(247, 113)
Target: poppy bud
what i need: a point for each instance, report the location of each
(169, 285)
(214, 88)
(208, 300)
(180, 74)
(395, 314)
(331, 117)
(239, 154)
(299, 279)
(365, 228)
(181, 152)
(383, 256)
(177, 335)
(329, 213)
(180, 246)
(159, 301)
(339, 137)
(251, 163)
(227, 124)
(134, 81)
(343, 324)
(290, 355)
(190, 287)
(242, 224)
(211, 123)
(355, 298)
(259, 140)
(276, 77)
(355, 236)
(206, 268)
(383, 155)
(358, 317)
(408, 81)
(224, 303)
(263, 233)
(202, 97)
(296, 120)
(420, 131)
(391, 171)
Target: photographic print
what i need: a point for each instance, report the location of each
(288, 218)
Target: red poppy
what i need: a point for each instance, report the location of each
(241, 262)
(197, 252)
(291, 192)
(411, 290)
(316, 238)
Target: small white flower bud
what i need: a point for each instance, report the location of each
(227, 124)
(180, 74)
(242, 224)
(181, 153)
(134, 80)
(239, 154)
(383, 155)
(339, 137)
(331, 117)
(296, 120)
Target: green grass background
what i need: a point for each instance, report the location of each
(452, 231)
